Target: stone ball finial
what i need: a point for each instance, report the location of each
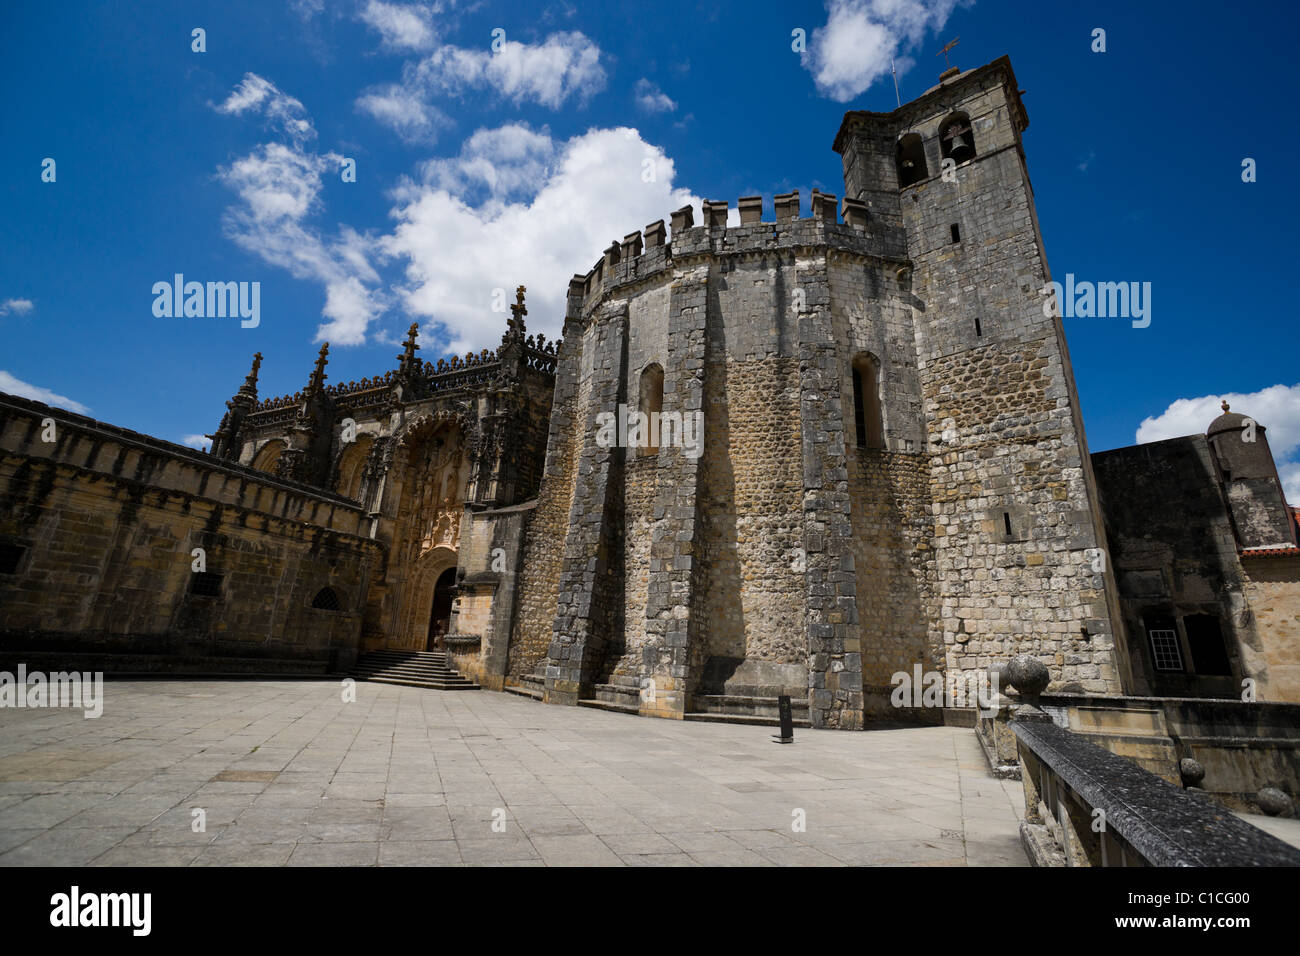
(1028, 675)
(1274, 802)
(1191, 771)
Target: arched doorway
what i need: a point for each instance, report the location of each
(440, 614)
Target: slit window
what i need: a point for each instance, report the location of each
(978, 329)
(956, 233)
(206, 583)
(652, 406)
(1006, 522)
(866, 402)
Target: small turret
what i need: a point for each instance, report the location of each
(1260, 515)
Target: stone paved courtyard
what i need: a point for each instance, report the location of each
(289, 774)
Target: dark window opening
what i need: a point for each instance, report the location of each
(652, 403)
(866, 402)
(327, 600)
(978, 330)
(1166, 653)
(1006, 522)
(10, 556)
(956, 233)
(1205, 644)
(911, 160)
(206, 583)
(956, 138)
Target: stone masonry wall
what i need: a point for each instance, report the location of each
(109, 519)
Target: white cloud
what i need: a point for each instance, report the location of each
(400, 27)
(279, 188)
(307, 9)
(1277, 408)
(196, 441)
(860, 37)
(508, 161)
(18, 387)
(263, 96)
(19, 306)
(563, 66)
(652, 99)
(403, 110)
(457, 254)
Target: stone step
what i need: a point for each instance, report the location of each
(745, 719)
(619, 694)
(736, 705)
(523, 691)
(412, 668)
(460, 684)
(632, 709)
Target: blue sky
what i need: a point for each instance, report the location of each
(478, 170)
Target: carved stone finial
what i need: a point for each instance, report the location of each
(249, 388)
(515, 328)
(318, 373)
(407, 359)
(1224, 405)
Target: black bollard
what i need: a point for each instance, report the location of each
(787, 720)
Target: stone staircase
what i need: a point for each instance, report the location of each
(410, 668)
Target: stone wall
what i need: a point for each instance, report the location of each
(1272, 591)
(108, 520)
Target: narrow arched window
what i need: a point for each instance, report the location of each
(910, 160)
(651, 405)
(327, 599)
(866, 401)
(957, 138)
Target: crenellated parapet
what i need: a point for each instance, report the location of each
(829, 225)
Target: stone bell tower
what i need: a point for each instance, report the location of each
(1018, 539)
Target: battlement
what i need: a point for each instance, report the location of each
(640, 255)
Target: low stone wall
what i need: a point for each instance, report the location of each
(1085, 806)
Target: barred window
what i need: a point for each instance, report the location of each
(1165, 650)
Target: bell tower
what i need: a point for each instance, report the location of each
(1015, 505)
